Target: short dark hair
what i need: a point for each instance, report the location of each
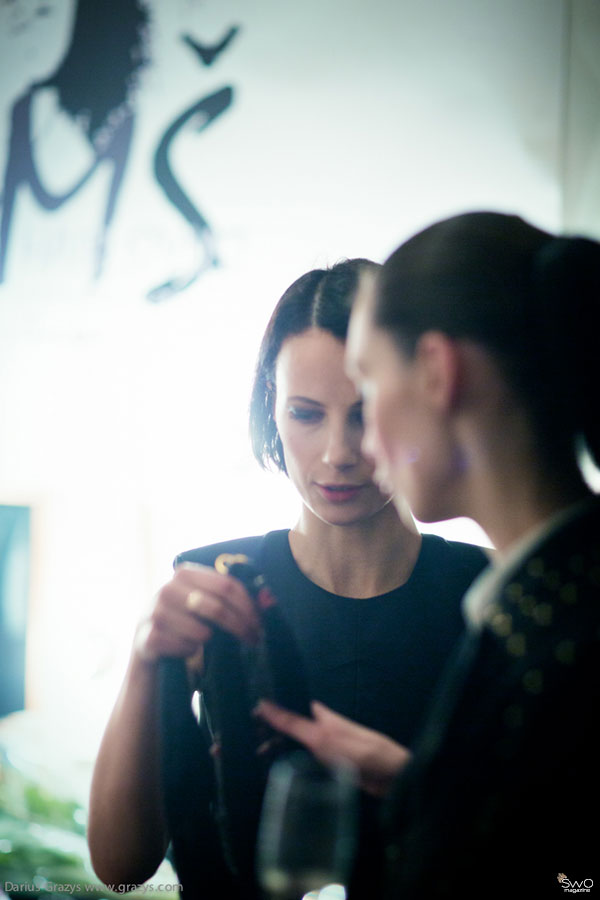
(529, 297)
(321, 298)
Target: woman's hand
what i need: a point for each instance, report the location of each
(188, 607)
(333, 738)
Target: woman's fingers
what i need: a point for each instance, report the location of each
(170, 635)
(218, 599)
(295, 726)
(189, 607)
(332, 737)
(321, 734)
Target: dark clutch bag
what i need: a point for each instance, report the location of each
(214, 822)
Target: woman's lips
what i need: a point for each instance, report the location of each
(339, 493)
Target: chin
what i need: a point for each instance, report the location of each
(345, 517)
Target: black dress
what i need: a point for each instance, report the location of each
(375, 660)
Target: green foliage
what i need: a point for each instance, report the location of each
(43, 848)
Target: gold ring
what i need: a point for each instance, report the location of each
(193, 600)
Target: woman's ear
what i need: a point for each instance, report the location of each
(437, 359)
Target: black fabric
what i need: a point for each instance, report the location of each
(190, 810)
(236, 676)
(500, 793)
(375, 660)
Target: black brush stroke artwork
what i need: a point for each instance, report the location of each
(100, 104)
(205, 111)
(202, 114)
(208, 53)
(21, 170)
(95, 84)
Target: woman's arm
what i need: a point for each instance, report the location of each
(126, 831)
(331, 737)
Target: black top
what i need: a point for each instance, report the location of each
(373, 659)
(501, 793)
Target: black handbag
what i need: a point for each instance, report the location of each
(213, 775)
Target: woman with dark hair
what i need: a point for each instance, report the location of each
(372, 604)
(476, 356)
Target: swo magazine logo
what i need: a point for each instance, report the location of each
(574, 887)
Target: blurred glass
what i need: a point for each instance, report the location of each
(308, 829)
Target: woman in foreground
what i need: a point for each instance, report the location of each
(373, 605)
(476, 355)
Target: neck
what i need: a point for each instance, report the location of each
(512, 492)
(526, 517)
(364, 559)
(511, 480)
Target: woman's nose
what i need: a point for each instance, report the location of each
(341, 449)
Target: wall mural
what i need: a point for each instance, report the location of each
(96, 84)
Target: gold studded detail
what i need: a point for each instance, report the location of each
(552, 580)
(535, 567)
(514, 591)
(501, 624)
(527, 605)
(568, 593)
(565, 652)
(515, 644)
(533, 681)
(542, 614)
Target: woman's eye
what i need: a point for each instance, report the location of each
(356, 416)
(301, 414)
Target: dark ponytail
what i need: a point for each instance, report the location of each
(531, 299)
(566, 272)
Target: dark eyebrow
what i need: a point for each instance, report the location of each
(299, 398)
(302, 399)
